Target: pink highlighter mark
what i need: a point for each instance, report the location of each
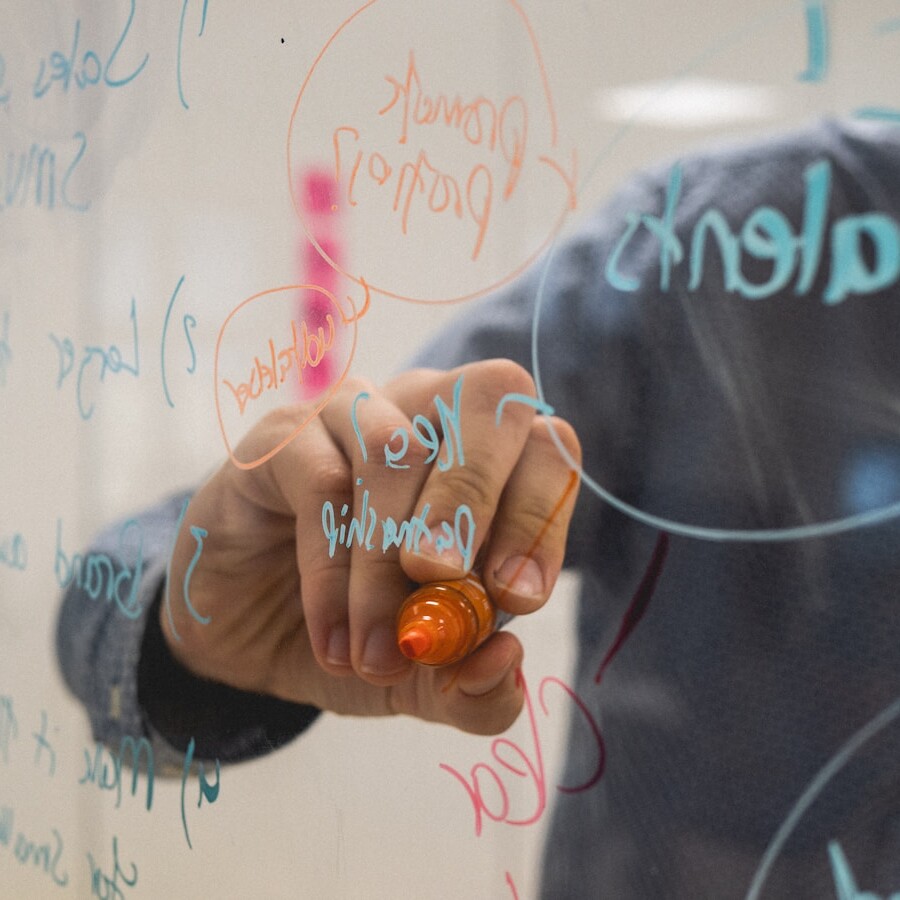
(318, 192)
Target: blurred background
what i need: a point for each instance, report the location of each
(168, 166)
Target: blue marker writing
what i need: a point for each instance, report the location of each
(32, 176)
(96, 359)
(107, 886)
(42, 857)
(5, 349)
(184, 7)
(208, 791)
(4, 94)
(189, 322)
(424, 432)
(84, 69)
(98, 576)
(9, 727)
(198, 534)
(816, 42)
(864, 249)
(42, 744)
(14, 552)
(844, 883)
(104, 768)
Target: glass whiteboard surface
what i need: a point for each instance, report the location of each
(681, 222)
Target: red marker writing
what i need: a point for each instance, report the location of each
(442, 622)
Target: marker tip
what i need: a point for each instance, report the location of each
(414, 642)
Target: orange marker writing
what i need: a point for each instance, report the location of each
(442, 622)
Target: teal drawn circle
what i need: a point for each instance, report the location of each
(815, 787)
(826, 528)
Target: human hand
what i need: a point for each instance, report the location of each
(298, 612)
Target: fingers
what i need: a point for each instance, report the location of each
(334, 481)
(465, 484)
(353, 512)
(480, 695)
(384, 499)
(527, 544)
(410, 485)
(505, 489)
(310, 481)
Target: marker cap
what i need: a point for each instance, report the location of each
(442, 622)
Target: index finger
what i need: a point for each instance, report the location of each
(474, 463)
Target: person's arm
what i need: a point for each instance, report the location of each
(280, 621)
(568, 301)
(309, 556)
(105, 655)
(120, 668)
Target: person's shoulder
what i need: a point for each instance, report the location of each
(770, 167)
(845, 142)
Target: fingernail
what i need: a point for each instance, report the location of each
(338, 650)
(522, 576)
(381, 655)
(441, 550)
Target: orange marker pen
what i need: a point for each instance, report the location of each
(442, 622)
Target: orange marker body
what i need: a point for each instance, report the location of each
(442, 622)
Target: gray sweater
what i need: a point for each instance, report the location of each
(725, 337)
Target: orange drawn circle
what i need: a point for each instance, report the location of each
(556, 167)
(324, 398)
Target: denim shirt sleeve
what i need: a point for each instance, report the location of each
(115, 660)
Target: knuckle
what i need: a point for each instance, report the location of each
(332, 477)
(378, 571)
(503, 376)
(418, 454)
(281, 420)
(487, 715)
(408, 384)
(470, 485)
(393, 437)
(354, 385)
(376, 437)
(322, 581)
(533, 519)
(419, 374)
(553, 429)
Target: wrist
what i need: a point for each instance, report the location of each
(182, 706)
